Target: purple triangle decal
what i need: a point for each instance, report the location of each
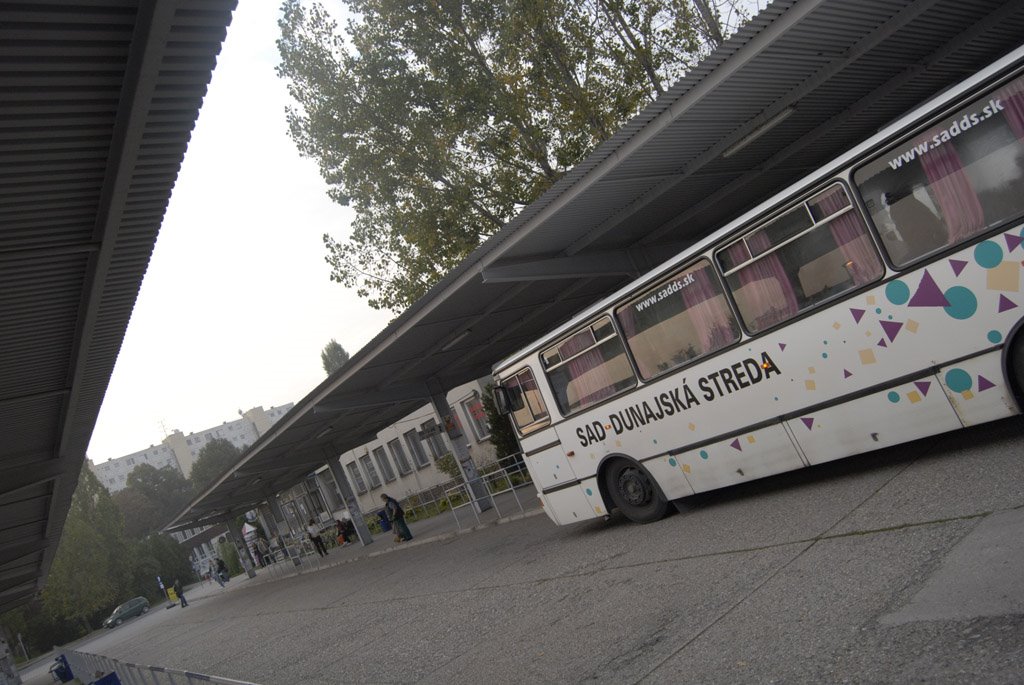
(928, 294)
(891, 328)
(808, 422)
(958, 265)
(736, 444)
(881, 342)
(782, 347)
(846, 373)
(984, 383)
(1013, 241)
(923, 386)
(1006, 303)
(857, 313)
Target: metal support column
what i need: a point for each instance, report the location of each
(350, 501)
(477, 487)
(279, 519)
(243, 549)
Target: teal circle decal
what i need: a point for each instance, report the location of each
(894, 396)
(995, 337)
(671, 461)
(958, 380)
(988, 254)
(589, 492)
(703, 454)
(962, 302)
(824, 355)
(897, 292)
(878, 310)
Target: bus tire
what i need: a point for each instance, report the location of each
(1015, 366)
(634, 492)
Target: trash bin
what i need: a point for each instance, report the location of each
(61, 670)
(385, 525)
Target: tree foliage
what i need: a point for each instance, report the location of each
(333, 356)
(96, 566)
(151, 498)
(437, 121)
(89, 568)
(503, 437)
(214, 459)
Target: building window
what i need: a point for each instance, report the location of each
(371, 472)
(474, 410)
(385, 466)
(434, 440)
(398, 454)
(356, 477)
(412, 441)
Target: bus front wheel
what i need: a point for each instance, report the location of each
(634, 492)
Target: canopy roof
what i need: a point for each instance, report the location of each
(826, 73)
(99, 98)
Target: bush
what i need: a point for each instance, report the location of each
(447, 465)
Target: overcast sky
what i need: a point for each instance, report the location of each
(237, 302)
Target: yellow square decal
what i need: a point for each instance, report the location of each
(837, 325)
(1005, 277)
(810, 385)
(686, 468)
(911, 325)
(914, 396)
(751, 439)
(968, 395)
(867, 356)
(871, 299)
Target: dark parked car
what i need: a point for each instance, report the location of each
(131, 608)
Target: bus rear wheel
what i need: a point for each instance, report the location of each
(634, 492)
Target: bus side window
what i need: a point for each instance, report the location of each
(588, 367)
(678, 320)
(774, 281)
(528, 410)
(955, 180)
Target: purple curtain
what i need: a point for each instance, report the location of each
(763, 283)
(589, 378)
(850, 235)
(953, 193)
(713, 321)
(1013, 102)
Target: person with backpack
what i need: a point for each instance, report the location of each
(393, 510)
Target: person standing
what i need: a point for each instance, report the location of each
(178, 591)
(314, 536)
(215, 574)
(393, 510)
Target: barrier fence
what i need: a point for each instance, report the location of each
(94, 668)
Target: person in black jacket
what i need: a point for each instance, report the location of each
(396, 516)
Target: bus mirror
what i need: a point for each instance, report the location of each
(502, 401)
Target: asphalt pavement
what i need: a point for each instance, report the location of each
(903, 565)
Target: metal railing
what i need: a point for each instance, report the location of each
(497, 481)
(91, 667)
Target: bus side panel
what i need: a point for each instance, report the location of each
(747, 456)
(547, 463)
(977, 389)
(576, 503)
(898, 414)
(671, 476)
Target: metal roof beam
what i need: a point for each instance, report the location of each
(20, 477)
(356, 400)
(618, 262)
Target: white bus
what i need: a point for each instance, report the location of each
(876, 301)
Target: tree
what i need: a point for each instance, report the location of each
(158, 555)
(503, 437)
(438, 121)
(214, 459)
(151, 498)
(333, 356)
(91, 565)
